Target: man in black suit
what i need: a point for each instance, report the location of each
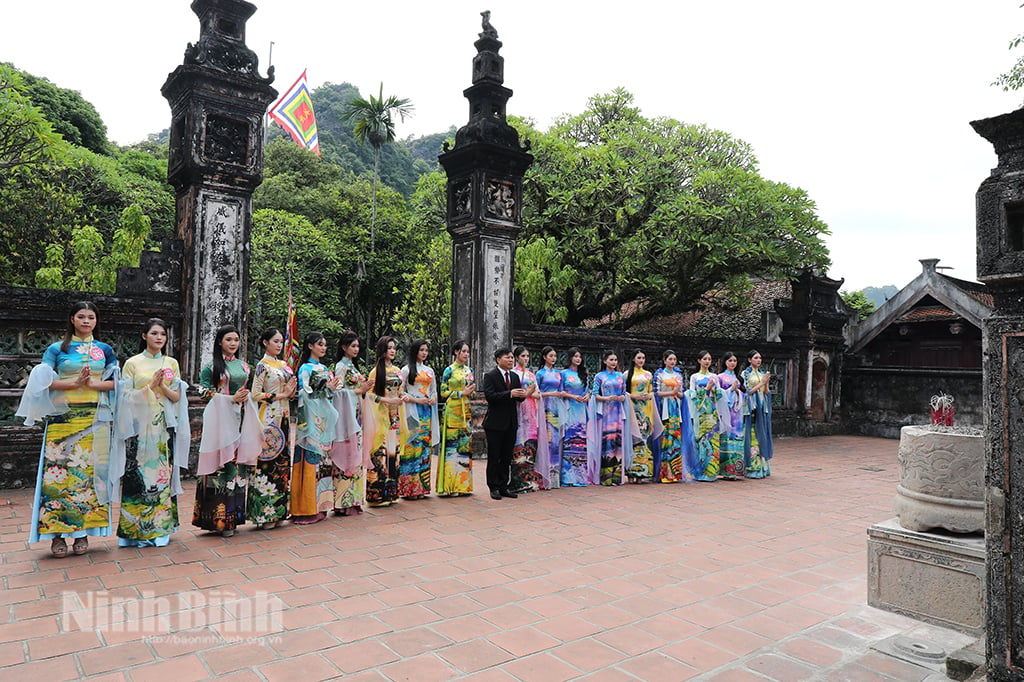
(504, 393)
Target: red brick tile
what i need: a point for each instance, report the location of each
(114, 657)
(413, 642)
(426, 668)
(588, 654)
(299, 642)
(184, 669)
(541, 668)
(50, 670)
(811, 652)
(236, 656)
(780, 668)
(473, 656)
(311, 668)
(699, 654)
(11, 654)
(62, 644)
(655, 666)
(351, 658)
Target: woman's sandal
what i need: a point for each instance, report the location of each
(81, 546)
(59, 548)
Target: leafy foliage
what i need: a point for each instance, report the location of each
(81, 262)
(652, 214)
(858, 301)
(542, 279)
(312, 224)
(26, 137)
(75, 118)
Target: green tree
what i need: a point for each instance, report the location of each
(375, 123)
(542, 279)
(858, 301)
(26, 137)
(652, 214)
(90, 266)
(74, 117)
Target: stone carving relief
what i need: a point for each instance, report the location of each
(462, 195)
(500, 200)
(226, 140)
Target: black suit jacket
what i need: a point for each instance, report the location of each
(502, 412)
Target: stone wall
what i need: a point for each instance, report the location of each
(878, 401)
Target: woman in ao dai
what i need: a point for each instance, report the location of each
(383, 411)
(675, 446)
(757, 445)
(455, 464)
(527, 460)
(232, 438)
(156, 443)
(549, 383)
(576, 470)
(273, 385)
(313, 471)
(730, 438)
(422, 428)
(703, 399)
(645, 419)
(610, 432)
(73, 389)
(347, 451)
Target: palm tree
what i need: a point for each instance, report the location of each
(375, 123)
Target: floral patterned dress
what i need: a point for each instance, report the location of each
(757, 426)
(268, 492)
(220, 496)
(421, 426)
(74, 483)
(550, 381)
(730, 439)
(575, 465)
(149, 504)
(350, 481)
(704, 396)
(313, 471)
(642, 468)
(382, 429)
(455, 465)
(524, 477)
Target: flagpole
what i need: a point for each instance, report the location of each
(266, 114)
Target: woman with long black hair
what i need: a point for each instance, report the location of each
(455, 462)
(156, 445)
(422, 428)
(232, 437)
(383, 412)
(313, 471)
(73, 389)
(347, 451)
(273, 384)
(575, 464)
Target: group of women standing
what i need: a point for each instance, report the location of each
(663, 427)
(358, 440)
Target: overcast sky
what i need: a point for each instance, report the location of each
(865, 105)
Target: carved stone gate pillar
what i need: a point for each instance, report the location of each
(485, 192)
(217, 100)
(1000, 225)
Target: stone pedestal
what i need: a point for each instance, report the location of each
(935, 577)
(942, 480)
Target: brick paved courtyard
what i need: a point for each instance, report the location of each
(732, 581)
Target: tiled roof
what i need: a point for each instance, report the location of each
(929, 313)
(720, 320)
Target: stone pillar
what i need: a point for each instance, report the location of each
(217, 100)
(485, 191)
(1000, 225)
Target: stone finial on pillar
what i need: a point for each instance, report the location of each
(485, 191)
(215, 162)
(1000, 234)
